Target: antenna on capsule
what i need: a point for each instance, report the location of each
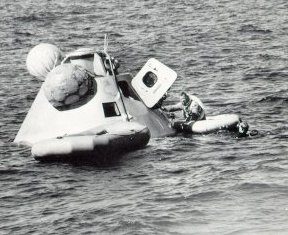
(105, 43)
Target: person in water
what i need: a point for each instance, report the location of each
(243, 130)
(193, 110)
(192, 107)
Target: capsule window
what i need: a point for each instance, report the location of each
(150, 79)
(111, 109)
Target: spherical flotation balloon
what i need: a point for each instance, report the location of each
(66, 84)
(42, 59)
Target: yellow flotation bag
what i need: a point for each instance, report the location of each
(67, 84)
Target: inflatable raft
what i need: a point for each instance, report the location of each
(211, 124)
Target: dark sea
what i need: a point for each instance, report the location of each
(231, 54)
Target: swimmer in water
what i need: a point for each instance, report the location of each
(243, 130)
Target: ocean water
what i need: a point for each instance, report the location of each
(232, 54)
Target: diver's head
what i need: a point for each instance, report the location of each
(184, 98)
(243, 128)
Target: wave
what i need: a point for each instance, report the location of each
(273, 99)
(255, 186)
(36, 17)
(269, 57)
(27, 34)
(265, 73)
(176, 171)
(249, 28)
(204, 195)
(280, 132)
(282, 136)
(28, 18)
(8, 171)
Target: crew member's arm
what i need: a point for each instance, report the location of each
(171, 108)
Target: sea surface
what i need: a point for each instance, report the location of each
(231, 54)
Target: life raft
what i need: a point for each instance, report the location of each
(211, 124)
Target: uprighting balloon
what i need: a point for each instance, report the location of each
(42, 59)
